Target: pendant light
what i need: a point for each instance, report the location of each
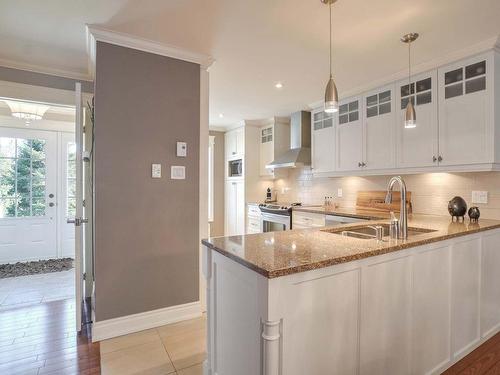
(331, 94)
(27, 111)
(410, 114)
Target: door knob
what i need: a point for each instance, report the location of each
(51, 195)
(51, 204)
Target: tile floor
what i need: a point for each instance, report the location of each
(36, 289)
(172, 349)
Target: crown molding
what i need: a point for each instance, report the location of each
(97, 33)
(217, 128)
(490, 44)
(12, 64)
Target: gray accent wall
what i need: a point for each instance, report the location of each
(146, 230)
(45, 80)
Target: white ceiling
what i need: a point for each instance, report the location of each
(255, 43)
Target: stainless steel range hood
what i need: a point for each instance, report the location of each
(299, 154)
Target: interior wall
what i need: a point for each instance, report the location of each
(146, 230)
(217, 225)
(430, 191)
(45, 80)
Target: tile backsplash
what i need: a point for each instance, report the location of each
(430, 191)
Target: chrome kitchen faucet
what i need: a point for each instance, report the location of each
(402, 232)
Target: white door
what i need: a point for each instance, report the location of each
(349, 137)
(67, 196)
(466, 112)
(28, 213)
(379, 129)
(323, 142)
(418, 147)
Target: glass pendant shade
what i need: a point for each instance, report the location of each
(410, 116)
(26, 110)
(331, 97)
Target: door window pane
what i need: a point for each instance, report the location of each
(474, 85)
(424, 98)
(353, 106)
(343, 119)
(343, 109)
(71, 173)
(405, 90)
(22, 177)
(453, 90)
(424, 85)
(353, 116)
(404, 101)
(372, 111)
(475, 70)
(384, 97)
(371, 100)
(384, 108)
(454, 76)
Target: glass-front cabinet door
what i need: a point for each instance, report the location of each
(417, 147)
(466, 111)
(349, 135)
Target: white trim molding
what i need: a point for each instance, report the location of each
(97, 33)
(110, 328)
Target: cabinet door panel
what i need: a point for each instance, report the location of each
(379, 118)
(385, 318)
(466, 111)
(466, 262)
(323, 149)
(490, 281)
(431, 319)
(416, 147)
(349, 135)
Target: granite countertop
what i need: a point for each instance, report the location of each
(346, 212)
(278, 254)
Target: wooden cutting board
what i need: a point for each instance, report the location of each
(375, 200)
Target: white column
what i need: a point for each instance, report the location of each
(271, 338)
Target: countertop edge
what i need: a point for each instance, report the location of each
(347, 259)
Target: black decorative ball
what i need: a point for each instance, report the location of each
(457, 208)
(474, 214)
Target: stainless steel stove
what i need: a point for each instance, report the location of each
(276, 216)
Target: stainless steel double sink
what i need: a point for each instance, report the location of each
(367, 232)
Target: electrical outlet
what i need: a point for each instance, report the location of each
(339, 192)
(480, 197)
(156, 170)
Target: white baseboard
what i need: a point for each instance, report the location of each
(110, 328)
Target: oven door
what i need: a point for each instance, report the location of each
(275, 222)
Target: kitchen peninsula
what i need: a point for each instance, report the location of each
(320, 302)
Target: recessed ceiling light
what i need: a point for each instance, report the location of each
(278, 85)
(221, 115)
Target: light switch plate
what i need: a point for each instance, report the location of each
(156, 170)
(181, 149)
(178, 172)
(339, 192)
(479, 197)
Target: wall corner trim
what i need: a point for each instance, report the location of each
(97, 33)
(124, 325)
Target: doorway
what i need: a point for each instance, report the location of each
(37, 197)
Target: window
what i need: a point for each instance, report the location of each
(22, 177)
(71, 180)
(378, 104)
(474, 80)
(422, 94)
(349, 112)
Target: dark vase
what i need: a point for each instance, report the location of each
(457, 208)
(474, 214)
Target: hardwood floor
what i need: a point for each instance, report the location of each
(485, 360)
(41, 339)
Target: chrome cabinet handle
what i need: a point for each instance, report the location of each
(77, 221)
(440, 158)
(434, 159)
(360, 164)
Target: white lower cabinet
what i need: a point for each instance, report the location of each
(235, 208)
(414, 311)
(254, 220)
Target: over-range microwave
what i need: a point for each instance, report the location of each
(235, 168)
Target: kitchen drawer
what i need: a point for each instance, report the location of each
(254, 225)
(307, 219)
(253, 210)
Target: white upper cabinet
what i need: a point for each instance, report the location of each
(466, 111)
(417, 147)
(349, 135)
(379, 121)
(322, 141)
(235, 142)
